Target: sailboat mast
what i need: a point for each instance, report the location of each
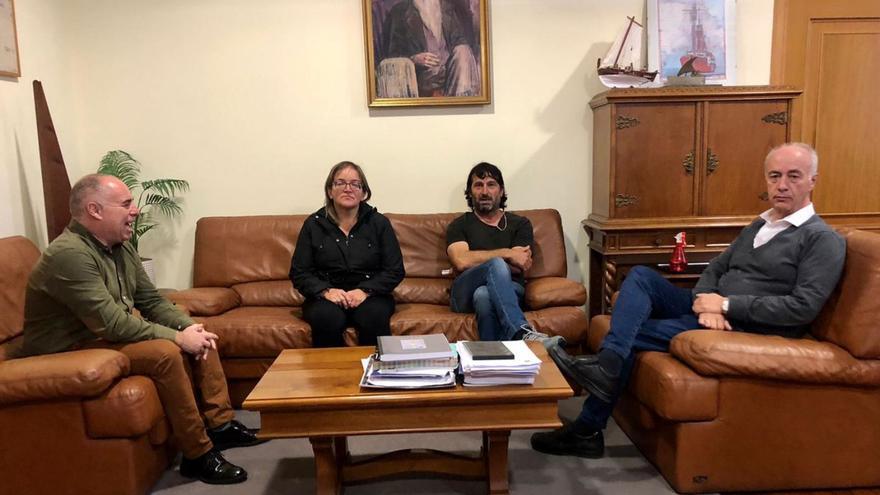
(625, 36)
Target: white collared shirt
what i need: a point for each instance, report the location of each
(770, 228)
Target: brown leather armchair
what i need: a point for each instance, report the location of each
(74, 422)
(731, 411)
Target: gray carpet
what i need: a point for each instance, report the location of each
(286, 467)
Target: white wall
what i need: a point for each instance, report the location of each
(44, 53)
(252, 102)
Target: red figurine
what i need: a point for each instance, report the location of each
(678, 262)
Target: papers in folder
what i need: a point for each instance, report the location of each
(522, 369)
(418, 373)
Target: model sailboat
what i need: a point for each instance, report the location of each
(622, 65)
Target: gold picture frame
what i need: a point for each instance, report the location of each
(10, 65)
(427, 53)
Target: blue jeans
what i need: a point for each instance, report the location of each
(489, 291)
(649, 312)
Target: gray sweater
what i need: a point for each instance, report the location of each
(780, 287)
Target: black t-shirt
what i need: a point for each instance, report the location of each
(513, 230)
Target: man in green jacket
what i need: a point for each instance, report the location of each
(83, 293)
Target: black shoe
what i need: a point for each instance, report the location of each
(565, 441)
(213, 469)
(586, 371)
(234, 435)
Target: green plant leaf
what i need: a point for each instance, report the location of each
(167, 187)
(168, 206)
(121, 165)
(154, 194)
(139, 231)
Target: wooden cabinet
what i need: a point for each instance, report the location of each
(673, 159)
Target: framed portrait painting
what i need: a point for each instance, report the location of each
(9, 65)
(694, 36)
(426, 52)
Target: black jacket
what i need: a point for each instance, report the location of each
(368, 259)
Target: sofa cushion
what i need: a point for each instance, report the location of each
(268, 293)
(719, 353)
(205, 301)
(412, 319)
(18, 256)
(851, 314)
(130, 408)
(422, 240)
(83, 373)
(232, 250)
(548, 258)
(566, 321)
(599, 327)
(554, 291)
(259, 331)
(672, 390)
(423, 290)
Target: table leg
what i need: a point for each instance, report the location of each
(327, 481)
(495, 448)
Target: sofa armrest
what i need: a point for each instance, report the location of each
(84, 373)
(548, 292)
(740, 354)
(205, 301)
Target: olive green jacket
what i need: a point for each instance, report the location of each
(81, 291)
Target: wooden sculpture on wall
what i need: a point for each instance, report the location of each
(56, 184)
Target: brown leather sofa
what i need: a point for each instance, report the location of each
(242, 291)
(74, 422)
(731, 411)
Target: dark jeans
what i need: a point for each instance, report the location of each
(649, 312)
(489, 291)
(329, 321)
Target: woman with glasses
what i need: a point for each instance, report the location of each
(347, 262)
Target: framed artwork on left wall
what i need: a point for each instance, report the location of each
(427, 52)
(9, 64)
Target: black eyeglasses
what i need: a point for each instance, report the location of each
(355, 184)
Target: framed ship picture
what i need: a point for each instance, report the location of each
(9, 64)
(692, 36)
(426, 52)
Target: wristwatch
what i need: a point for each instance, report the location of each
(725, 305)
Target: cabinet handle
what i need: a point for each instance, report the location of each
(780, 118)
(764, 196)
(688, 163)
(624, 122)
(711, 162)
(624, 200)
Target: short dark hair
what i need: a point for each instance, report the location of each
(481, 171)
(328, 184)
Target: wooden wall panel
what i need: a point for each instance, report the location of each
(831, 49)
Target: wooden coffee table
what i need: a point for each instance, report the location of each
(315, 393)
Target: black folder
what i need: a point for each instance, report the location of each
(481, 350)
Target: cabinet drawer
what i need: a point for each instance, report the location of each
(721, 238)
(661, 240)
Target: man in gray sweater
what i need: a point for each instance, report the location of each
(774, 278)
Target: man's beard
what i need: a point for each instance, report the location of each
(485, 205)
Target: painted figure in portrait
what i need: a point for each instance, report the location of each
(426, 48)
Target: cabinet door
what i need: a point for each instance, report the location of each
(654, 159)
(738, 136)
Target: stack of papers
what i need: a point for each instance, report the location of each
(522, 369)
(412, 347)
(417, 373)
